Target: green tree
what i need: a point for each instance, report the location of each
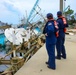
(69, 12)
(70, 16)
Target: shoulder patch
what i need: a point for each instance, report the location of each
(49, 23)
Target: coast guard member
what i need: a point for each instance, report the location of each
(62, 24)
(51, 32)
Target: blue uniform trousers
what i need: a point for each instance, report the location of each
(51, 55)
(60, 46)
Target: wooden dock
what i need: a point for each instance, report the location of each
(36, 65)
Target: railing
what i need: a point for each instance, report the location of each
(17, 62)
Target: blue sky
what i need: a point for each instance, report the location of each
(11, 11)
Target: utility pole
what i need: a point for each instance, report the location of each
(61, 5)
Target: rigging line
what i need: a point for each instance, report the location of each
(34, 7)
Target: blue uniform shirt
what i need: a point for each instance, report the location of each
(50, 30)
(61, 26)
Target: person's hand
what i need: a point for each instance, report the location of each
(46, 34)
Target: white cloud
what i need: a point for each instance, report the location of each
(12, 10)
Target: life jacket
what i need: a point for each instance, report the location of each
(64, 22)
(56, 26)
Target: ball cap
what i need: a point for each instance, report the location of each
(49, 15)
(59, 13)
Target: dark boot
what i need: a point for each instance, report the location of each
(64, 57)
(57, 57)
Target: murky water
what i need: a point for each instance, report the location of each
(2, 54)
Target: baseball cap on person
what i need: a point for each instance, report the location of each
(59, 13)
(49, 15)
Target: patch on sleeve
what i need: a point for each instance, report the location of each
(49, 24)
